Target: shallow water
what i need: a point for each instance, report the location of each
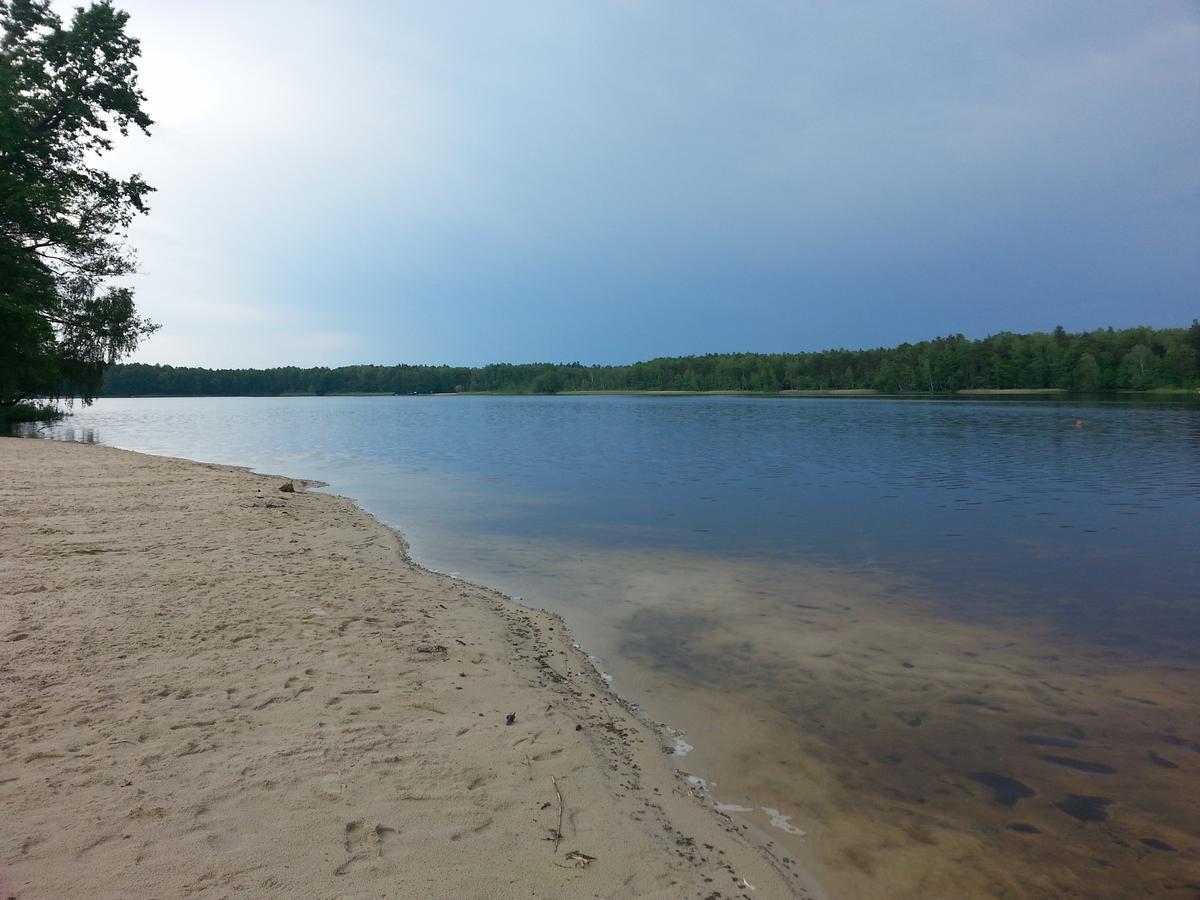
(953, 642)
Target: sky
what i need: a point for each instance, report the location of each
(464, 183)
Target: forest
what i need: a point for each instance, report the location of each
(1133, 359)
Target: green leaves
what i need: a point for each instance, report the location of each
(65, 92)
(1135, 358)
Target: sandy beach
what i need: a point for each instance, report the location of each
(210, 687)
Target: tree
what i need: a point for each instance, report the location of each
(1179, 363)
(1087, 375)
(547, 382)
(64, 91)
(1138, 368)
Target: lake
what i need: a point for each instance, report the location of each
(931, 648)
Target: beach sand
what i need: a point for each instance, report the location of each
(210, 688)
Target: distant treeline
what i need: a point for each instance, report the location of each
(1129, 359)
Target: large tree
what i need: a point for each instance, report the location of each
(65, 93)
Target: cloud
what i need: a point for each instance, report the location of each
(218, 311)
(278, 343)
(537, 180)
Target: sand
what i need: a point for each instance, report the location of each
(213, 688)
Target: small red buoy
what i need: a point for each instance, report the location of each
(1079, 423)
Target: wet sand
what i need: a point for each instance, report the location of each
(209, 686)
(898, 748)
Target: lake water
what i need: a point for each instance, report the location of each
(954, 643)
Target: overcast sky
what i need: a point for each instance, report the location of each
(604, 182)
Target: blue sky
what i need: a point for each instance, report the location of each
(604, 182)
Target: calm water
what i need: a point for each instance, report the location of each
(917, 631)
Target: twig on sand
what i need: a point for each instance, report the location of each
(580, 859)
(558, 831)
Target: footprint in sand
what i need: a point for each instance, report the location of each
(330, 786)
(480, 780)
(363, 844)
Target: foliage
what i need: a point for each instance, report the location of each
(1131, 359)
(64, 91)
(28, 412)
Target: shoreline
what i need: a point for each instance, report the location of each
(1031, 394)
(483, 824)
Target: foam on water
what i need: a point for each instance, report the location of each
(731, 807)
(782, 822)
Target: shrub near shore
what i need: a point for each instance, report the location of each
(29, 412)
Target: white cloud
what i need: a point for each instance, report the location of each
(218, 311)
